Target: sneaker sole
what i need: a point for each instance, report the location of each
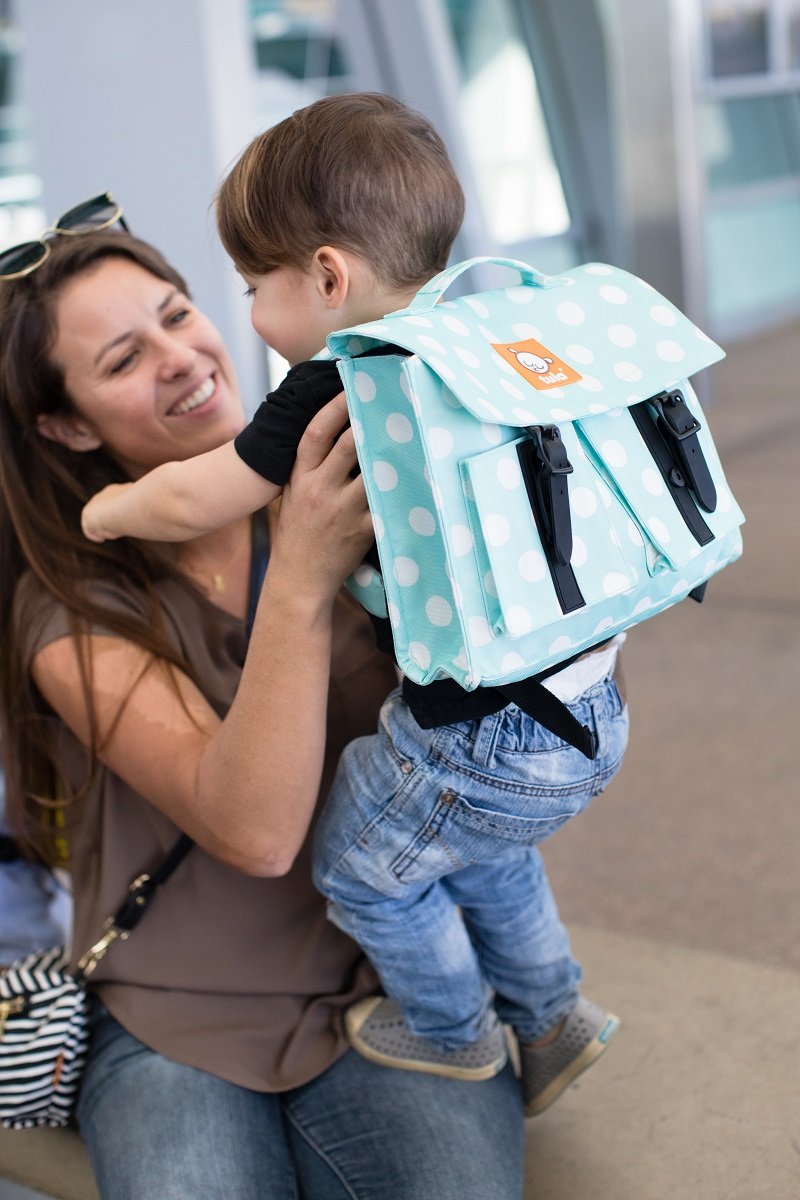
(590, 1053)
(354, 1020)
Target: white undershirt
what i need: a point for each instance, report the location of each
(574, 680)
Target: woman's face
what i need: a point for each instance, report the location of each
(148, 374)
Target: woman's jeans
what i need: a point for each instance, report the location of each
(157, 1130)
(426, 851)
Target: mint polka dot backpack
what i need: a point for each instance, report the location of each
(540, 473)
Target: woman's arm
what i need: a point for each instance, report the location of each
(179, 500)
(245, 787)
(182, 500)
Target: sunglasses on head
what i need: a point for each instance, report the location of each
(98, 213)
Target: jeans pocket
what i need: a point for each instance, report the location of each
(460, 832)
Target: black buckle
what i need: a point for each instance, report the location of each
(680, 428)
(672, 409)
(550, 467)
(552, 450)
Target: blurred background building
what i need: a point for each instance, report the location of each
(661, 135)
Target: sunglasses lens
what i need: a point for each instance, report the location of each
(92, 214)
(21, 259)
(98, 213)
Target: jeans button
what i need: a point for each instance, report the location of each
(406, 767)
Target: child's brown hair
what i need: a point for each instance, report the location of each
(360, 172)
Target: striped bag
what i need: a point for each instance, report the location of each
(43, 1040)
(44, 1013)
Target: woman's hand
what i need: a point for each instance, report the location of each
(325, 527)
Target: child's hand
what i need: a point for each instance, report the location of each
(97, 516)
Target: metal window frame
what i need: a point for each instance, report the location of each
(777, 80)
(408, 51)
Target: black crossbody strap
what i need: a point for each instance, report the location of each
(144, 887)
(259, 557)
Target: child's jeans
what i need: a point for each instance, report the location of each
(425, 827)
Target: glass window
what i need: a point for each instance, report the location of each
(747, 140)
(501, 115)
(21, 215)
(753, 258)
(738, 37)
(297, 55)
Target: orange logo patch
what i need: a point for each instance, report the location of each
(536, 364)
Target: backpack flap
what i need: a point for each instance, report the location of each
(551, 349)
(521, 466)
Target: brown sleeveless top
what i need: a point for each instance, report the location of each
(242, 977)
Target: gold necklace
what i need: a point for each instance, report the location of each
(215, 581)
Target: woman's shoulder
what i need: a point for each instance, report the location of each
(191, 627)
(41, 617)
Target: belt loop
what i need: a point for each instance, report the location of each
(485, 739)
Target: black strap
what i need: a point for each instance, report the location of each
(545, 467)
(444, 702)
(142, 890)
(539, 702)
(662, 448)
(259, 557)
(679, 429)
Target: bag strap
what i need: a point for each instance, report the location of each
(259, 557)
(142, 890)
(431, 293)
(534, 699)
(134, 906)
(444, 702)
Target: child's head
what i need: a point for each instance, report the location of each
(359, 172)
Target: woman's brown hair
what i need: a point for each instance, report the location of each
(43, 487)
(360, 172)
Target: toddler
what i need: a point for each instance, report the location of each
(427, 845)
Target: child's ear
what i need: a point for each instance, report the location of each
(68, 430)
(332, 274)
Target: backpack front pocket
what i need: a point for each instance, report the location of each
(672, 524)
(524, 589)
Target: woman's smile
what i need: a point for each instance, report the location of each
(198, 398)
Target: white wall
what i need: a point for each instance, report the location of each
(150, 99)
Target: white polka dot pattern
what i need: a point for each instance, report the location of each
(422, 521)
(465, 578)
(399, 428)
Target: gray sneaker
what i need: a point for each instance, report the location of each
(548, 1070)
(377, 1029)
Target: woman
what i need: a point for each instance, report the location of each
(217, 1064)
